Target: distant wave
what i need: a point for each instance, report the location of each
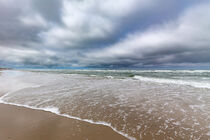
(109, 77)
(98, 70)
(173, 81)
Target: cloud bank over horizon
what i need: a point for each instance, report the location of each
(104, 34)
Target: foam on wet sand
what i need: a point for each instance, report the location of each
(19, 123)
(133, 107)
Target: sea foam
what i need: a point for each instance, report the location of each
(172, 81)
(56, 111)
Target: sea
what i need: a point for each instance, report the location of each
(138, 104)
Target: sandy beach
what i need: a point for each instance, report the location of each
(19, 123)
(95, 70)
(139, 110)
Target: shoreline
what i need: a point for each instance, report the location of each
(55, 111)
(138, 113)
(20, 123)
(24, 123)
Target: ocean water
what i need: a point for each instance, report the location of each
(149, 104)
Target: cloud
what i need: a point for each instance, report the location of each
(180, 41)
(33, 21)
(98, 33)
(89, 21)
(48, 9)
(96, 23)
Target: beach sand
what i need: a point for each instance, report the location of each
(173, 112)
(19, 123)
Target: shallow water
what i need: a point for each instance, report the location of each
(139, 104)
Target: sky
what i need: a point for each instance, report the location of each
(105, 33)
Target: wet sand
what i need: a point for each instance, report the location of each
(145, 111)
(19, 123)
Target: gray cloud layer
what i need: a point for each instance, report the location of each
(97, 33)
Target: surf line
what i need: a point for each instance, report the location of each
(56, 111)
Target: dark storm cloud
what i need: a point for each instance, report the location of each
(98, 33)
(185, 40)
(12, 31)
